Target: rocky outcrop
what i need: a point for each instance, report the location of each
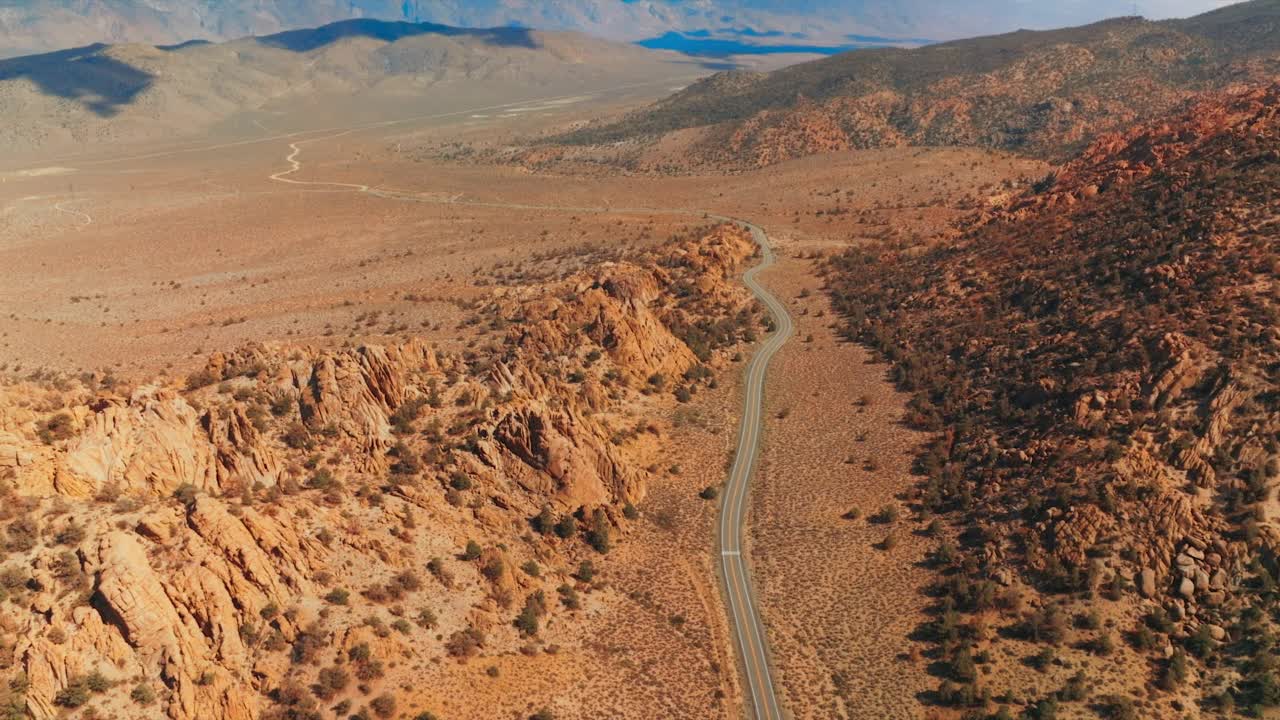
(242, 455)
(572, 453)
(152, 444)
(193, 542)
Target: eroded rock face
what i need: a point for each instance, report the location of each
(190, 543)
(585, 469)
(151, 444)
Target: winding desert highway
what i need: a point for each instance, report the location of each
(748, 628)
(746, 624)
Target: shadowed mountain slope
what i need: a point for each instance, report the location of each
(114, 93)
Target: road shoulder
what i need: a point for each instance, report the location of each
(839, 605)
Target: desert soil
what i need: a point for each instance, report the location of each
(839, 621)
(140, 267)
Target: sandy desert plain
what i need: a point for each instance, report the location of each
(137, 265)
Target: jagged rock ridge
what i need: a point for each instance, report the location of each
(191, 551)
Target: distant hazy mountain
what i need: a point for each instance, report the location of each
(341, 74)
(28, 26)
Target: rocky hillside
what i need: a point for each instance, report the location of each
(294, 530)
(1039, 93)
(1099, 358)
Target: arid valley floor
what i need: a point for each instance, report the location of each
(141, 266)
(396, 371)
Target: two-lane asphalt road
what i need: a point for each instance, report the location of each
(748, 629)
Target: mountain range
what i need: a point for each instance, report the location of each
(348, 72)
(32, 26)
(1045, 93)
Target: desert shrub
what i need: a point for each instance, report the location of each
(331, 681)
(1104, 644)
(186, 494)
(1200, 643)
(407, 581)
(1121, 708)
(308, 645)
(1143, 638)
(1043, 659)
(359, 653)
(74, 695)
(567, 527)
(886, 514)
(384, 706)
(1090, 620)
(57, 428)
(711, 492)
(1046, 709)
(535, 606)
(13, 707)
(337, 596)
(97, 682)
(143, 694)
(71, 534)
(370, 670)
(527, 622)
(472, 551)
(599, 537)
(407, 414)
(323, 480)
(406, 462)
(465, 643)
(569, 597)
(962, 667)
(22, 534)
(1048, 624)
(297, 436)
(426, 619)
(292, 702)
(1175, 672)
(544, 523)
(13, 578)
(492, 569)
(66, 566)
(1076, 688)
